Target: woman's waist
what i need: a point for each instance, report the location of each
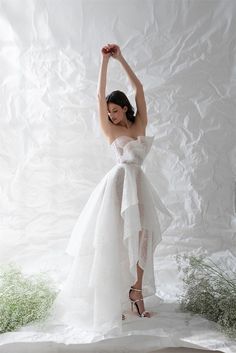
(133, 163)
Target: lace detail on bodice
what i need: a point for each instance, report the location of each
(131, 151)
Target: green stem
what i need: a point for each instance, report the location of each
(208, 268)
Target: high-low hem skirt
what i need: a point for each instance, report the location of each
(119, 226)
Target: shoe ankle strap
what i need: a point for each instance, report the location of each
(138, 290)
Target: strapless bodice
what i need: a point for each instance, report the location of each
(131, 151)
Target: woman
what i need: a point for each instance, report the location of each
(116, 234)
(121, 115)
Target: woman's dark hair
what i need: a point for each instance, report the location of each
(120, 98)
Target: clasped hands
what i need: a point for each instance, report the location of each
(111, 50)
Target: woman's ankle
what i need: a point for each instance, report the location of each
(137, 286)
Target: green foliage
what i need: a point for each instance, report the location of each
(23, 299)
(209, 290)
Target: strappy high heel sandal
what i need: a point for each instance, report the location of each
(134, 302)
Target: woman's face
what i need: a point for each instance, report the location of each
(116, 112)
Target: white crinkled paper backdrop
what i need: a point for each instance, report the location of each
(52, 152)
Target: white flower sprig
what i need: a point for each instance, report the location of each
(209, 290)
(23, 299)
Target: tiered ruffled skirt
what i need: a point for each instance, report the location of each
(120, 225)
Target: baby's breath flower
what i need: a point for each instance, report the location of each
(209, 291)
(23, 299)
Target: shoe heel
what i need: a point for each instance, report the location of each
(134, 302)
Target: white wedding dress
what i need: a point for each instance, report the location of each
(120, 225)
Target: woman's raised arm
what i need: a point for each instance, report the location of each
(101, 91)
(135, 82)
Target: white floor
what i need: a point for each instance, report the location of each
(184, 350)
(53, 348)
(171, 331)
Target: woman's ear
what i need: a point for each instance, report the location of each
(125, 108)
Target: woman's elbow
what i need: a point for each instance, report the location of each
(100, 96)
(139, 86)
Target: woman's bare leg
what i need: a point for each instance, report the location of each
(139, 283)
(134, 295)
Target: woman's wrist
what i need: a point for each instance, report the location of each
(120, 58)
(105, 59)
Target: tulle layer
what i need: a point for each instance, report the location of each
(118, 227)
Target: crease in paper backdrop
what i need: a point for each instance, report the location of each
(52, 150)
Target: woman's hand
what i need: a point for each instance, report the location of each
(111, 50)
(106, 52)
(115, 51)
